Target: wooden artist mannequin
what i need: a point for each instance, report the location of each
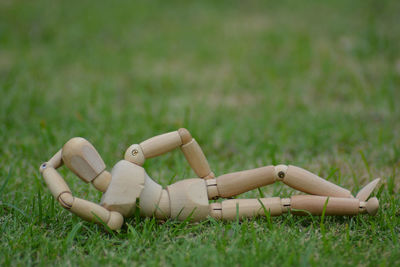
(189, 198)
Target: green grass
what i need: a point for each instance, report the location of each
(305, 83)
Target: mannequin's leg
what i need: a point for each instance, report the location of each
(309, 183)
(236, 183)
(246, 208)
(299, 205)
(232, 184)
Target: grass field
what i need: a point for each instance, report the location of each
(305, 83)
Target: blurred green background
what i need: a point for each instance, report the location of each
(308, 83)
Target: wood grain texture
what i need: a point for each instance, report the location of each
(135, 154)
(211, 175)
(372, 206)
(212, 189)
(366, 191)
(310, 183)
(248, 208)
(235, 183)
(126, 186)
(150, 197)
(66, 200)
(83, 159)
(185, 135)
(215, 211)
(54, 182)
(188, 198)
(115, 221)
(196, 158)
(86, 210)
(56, 160)
(315, 205)
(160, 144)
(102, 181)
(285, 204)
(92, 212)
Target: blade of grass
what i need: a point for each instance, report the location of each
(14, 208)
(3, 186)
(322, 225)
(267, 214)
(71, 235)
(364, 159)
(260, 192)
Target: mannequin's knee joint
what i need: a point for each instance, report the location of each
(280, 172)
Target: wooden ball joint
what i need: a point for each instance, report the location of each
(189, 198)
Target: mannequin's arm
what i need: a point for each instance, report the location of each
(87, 210)
(164, 143)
